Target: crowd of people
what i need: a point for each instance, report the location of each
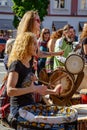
(34, 48)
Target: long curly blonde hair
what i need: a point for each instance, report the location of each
(27, 22)
(84, 32)
(22, 47)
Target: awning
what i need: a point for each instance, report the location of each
(6, 24)
(59, 24)
(81, 24)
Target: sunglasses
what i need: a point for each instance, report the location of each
(38, 20)
(46, 32)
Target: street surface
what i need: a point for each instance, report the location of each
(2, 74)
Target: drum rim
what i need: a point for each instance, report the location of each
(66, 63)
(72, 80)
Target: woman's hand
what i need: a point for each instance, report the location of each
(58, 89)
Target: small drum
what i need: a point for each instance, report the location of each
(48, 117)
(74, 64)
(76, 99)
(66, 79)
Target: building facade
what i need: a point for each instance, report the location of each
(6, 17)
(61, 12)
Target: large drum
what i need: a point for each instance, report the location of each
(74, 64)
(48, 117)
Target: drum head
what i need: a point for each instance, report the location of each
(74, 64)
(61, 76)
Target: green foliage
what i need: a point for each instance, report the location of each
(16, 21)
(21, 6)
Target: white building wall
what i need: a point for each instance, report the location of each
(6, 14)
(58, 15)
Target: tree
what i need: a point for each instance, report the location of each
(21, 6)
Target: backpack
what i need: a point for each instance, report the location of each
(4, 101)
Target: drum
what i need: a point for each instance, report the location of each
(66, 79)
(48, 117)
(82, 123)
(74, 64)
(82, 116)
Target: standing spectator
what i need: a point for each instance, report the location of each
(83, 42)
(30, 22)
(8, 48)
(73, 34)
(51, 45)
(64, 43)
(42, 43)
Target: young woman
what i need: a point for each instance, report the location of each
(51, 45)
(42, 43)
(30, 22)
(20, 83)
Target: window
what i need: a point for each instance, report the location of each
(83, 4)
(59, 4)
(3, 3)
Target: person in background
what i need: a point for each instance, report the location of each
(51, 45)
(64, 43)
(73, 34)
(30, 22)
(83, 42)
(20, 83)
(75, 37)
(42, 43)
(8, 48)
